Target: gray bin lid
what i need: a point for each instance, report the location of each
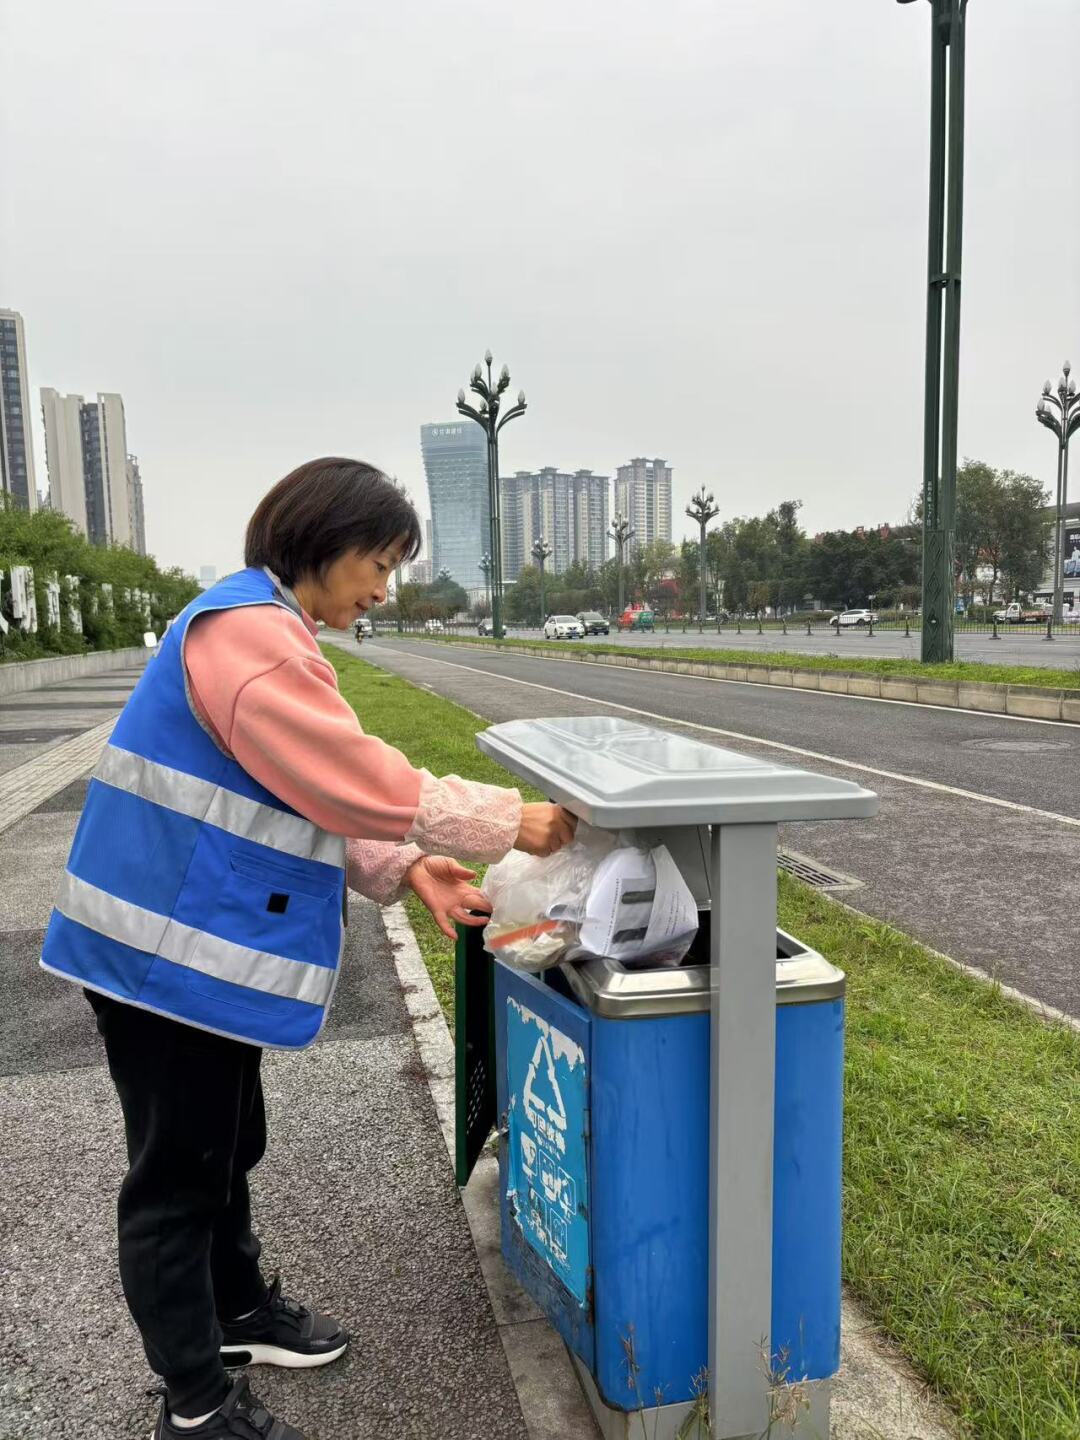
(615, 773)
(609, 989)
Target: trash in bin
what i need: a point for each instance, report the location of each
(600, 895)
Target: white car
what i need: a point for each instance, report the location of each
(854, 617)
(563, 627)
(434, 627)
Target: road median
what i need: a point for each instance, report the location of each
(1022, 691)
(962, 1161)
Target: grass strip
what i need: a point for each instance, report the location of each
(962, 1148)
(1044, 679)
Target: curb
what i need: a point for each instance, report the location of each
(1023, 702)
(874, 1379)
(551, 1399)
(17, 676)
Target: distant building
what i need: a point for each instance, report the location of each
(88, 476)
(16, 443)
(455, 463)
(643, 496)
(136, 508)
(569, 509)
(207, 576)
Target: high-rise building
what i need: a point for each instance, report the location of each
(643, 496)
(63, 455)
(455, 462)
(570, 510)
(16, 444)
(207, 576)
(136, 509)
(88, 477)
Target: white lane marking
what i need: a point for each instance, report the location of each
(935, 785)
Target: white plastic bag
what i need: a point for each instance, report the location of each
(600, 895)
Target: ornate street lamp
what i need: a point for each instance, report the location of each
(942, 315)
(1061, 414)
(702, 508)
(541, 550)
(486, 415)
(485, 566)
(622, 531)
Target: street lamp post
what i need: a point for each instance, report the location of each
(485, 566)
(702, 508)
(486, 415)
(1061, 414)
(942, 318)
(622, 531)
(541, 550)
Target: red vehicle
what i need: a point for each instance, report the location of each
(636, 617)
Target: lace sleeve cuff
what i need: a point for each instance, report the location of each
(465, 819)
(377, 868)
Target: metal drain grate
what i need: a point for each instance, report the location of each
(811, 873)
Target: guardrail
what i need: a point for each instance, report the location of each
(909, 627)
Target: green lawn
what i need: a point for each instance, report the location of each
(1064, 679)
(962, 1154)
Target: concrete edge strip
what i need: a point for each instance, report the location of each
(1027, 703)
(884, 1380)
(436, 1048)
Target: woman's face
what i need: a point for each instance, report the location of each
(351, 585)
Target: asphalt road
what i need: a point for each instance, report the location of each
(976, 848)
(1024, 646)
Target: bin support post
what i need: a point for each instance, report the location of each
(742, 1082)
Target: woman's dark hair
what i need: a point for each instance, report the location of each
(321, 510)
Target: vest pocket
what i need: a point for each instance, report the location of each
(287, 913)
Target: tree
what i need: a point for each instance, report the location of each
(1022, 533)
(523, 598)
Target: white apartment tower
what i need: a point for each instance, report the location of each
(16, 445)
(89, 476)
(569, 509)
(643, 496)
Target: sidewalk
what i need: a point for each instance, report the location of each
(355, 1200)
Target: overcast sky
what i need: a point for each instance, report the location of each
(694, 230)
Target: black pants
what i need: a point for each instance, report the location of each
(193, 1113)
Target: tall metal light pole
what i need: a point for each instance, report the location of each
(622, 531)
(947, 29)
(541, 550)
(1061, 414)
(486, 415)
(485, 566)
(702, 508)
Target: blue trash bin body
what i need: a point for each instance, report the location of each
(645, 1099)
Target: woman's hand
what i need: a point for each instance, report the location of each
(447, 890)
(545, 828)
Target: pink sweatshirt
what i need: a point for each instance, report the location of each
(263, 688)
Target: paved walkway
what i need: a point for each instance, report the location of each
(355, 1200)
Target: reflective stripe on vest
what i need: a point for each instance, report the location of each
(156, 934)
(203, 800)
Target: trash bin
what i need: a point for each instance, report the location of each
(670, 1137)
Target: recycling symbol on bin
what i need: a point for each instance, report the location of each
(543, 1112)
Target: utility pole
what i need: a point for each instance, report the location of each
(541, 550)
(622, 531)
(1061, 414)
(486, 415)
(702, 508)
(942, 324)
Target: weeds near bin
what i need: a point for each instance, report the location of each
(696, 1426)
(788, 1400)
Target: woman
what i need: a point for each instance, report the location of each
(202, 911)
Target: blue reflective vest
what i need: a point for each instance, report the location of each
(190, 889)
